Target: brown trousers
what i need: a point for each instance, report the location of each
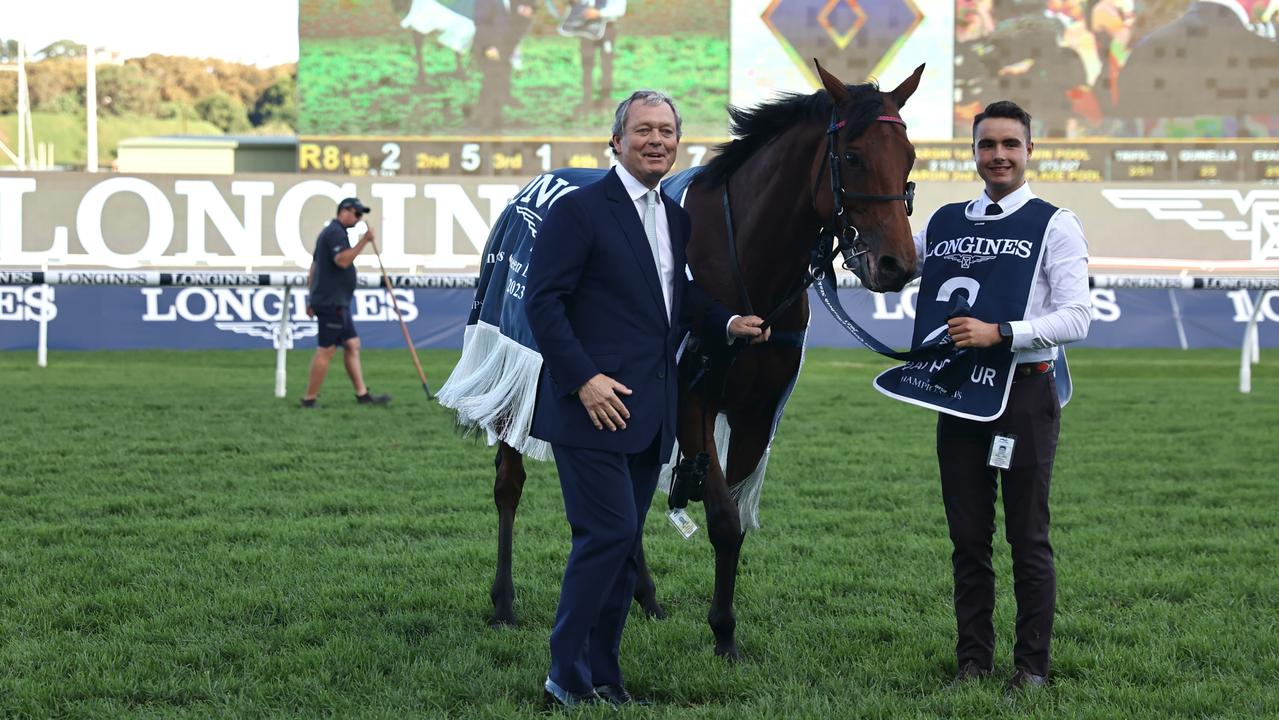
(969, 489)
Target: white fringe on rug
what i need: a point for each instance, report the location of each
(494, 388)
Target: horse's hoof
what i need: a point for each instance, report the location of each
(655, 611)
(729, 653)
(503, 620)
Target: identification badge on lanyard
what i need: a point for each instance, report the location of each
(1001, 451)
(682, 522)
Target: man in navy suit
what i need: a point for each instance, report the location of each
(607, 297)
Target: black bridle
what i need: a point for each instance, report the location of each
(840, 229)
(847, 239)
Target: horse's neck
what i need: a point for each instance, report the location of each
(773, 214)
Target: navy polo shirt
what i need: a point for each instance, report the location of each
(333, 285)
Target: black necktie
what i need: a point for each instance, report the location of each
(994, 209)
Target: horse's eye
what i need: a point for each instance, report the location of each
(853, 159)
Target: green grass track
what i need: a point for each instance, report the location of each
(176, 542)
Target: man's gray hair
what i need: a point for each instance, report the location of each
(645, 97)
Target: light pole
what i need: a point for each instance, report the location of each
(90, 109)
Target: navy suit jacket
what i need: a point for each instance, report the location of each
(594, 305)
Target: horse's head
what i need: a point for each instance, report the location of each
(862, 192)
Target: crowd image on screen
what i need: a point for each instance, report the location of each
(1122, 68)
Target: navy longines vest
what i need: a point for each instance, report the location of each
(985, 268)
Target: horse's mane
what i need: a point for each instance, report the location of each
(756, 127)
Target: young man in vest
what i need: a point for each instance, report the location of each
(1005, 279)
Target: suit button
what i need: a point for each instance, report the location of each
(661, 373)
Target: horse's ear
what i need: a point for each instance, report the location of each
(903, 92)
(836, 87)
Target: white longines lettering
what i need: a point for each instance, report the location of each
(243, 233)
(454, 207)
(200, 304)
(28, 304)
(1105, 307)
(256, 311)
(970, 249)
(11, 192)
(545, 191)
(903, 308)
(1245, 306)
(198, 222)
(159, 230)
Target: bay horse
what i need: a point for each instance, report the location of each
(804, 172)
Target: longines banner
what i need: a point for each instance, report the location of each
(111, 317)
(262, 222)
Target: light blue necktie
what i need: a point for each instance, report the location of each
(650, 228)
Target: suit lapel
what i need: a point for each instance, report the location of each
(623, 210)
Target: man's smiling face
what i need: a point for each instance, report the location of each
(1001, 148)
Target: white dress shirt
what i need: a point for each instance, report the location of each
(665, 257)
(1060, 307)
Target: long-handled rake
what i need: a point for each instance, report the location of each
(408, 339)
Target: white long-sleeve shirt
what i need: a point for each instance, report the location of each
(1060, 308)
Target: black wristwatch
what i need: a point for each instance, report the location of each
(1005, 334)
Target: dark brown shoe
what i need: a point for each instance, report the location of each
(1025, 680)
(617, 695)
(970, 670)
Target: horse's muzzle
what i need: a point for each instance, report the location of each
(890, 274)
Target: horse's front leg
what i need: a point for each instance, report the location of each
(746, 447)
(507, 489)
(723, 525)
(645, 589)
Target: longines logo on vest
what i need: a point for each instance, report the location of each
(256, 311)
(1252, 218)
(969, 250)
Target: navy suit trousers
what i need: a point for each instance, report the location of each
(606, 498)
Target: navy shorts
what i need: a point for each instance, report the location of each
(335, 325)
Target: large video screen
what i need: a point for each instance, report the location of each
(515, 87)
(1122, 68)
(519, 69)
